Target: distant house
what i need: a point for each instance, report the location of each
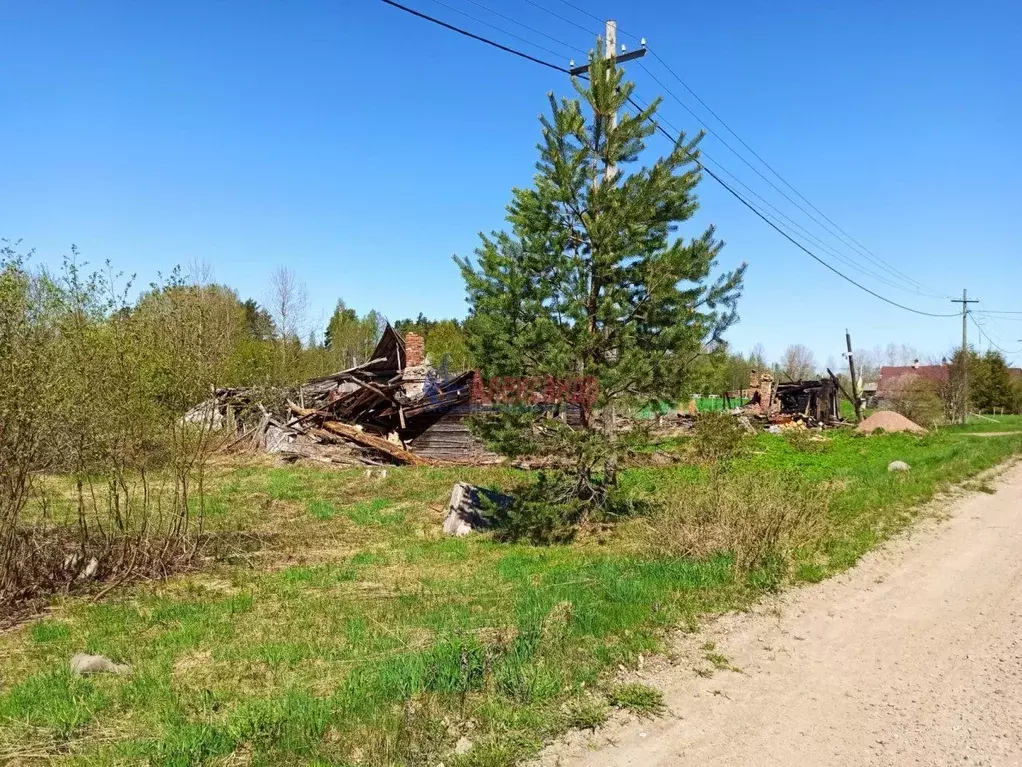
(895, 379)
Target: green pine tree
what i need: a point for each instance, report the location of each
(594, 278)
(993, 387)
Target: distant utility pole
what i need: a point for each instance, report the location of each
(965, 301)
(851, 372)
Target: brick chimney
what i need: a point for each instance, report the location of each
(415, 350)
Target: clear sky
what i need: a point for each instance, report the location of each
(363, 147)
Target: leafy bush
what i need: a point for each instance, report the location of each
(718, 439)
(920, 400)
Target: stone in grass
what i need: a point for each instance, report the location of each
(82, 664)
(898, 466)
(463, 746)
(467, 507)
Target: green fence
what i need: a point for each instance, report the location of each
(703, 405)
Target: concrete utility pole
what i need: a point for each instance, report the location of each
(851, 372)
(965, 301)
(610, 52)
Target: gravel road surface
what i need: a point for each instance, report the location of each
(914, 657)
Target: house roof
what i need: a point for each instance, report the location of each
(389, 354)
(890, 376)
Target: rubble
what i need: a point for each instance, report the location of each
(811, 403)
(465, 511)
(394, 409)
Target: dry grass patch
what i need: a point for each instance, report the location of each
(758, 518)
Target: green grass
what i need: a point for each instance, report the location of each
(990, 423)
(363, 635)
(637, 698)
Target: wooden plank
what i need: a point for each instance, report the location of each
(368, 440)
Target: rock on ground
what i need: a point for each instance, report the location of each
(898, 466)
(82, 664)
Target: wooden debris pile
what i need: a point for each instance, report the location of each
(389, 410)
(810, 402)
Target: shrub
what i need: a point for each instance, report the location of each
(919, 400)
(552, 509)
(761, 519)
(718, 439)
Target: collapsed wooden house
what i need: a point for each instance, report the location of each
(395, 408)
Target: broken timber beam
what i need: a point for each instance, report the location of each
(839, 386)
(367, 440)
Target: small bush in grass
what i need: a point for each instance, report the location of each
(637, 698)
(552, 510)
(718, 439)
(760, 518)
(587, 713)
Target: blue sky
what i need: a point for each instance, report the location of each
(363, 147)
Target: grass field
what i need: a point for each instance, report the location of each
(359, 635)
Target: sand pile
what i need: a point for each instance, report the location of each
(888, 420)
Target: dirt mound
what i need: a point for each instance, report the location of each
(888, 420)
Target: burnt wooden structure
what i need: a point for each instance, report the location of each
(816, 399)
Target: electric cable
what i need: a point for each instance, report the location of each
(674, 142)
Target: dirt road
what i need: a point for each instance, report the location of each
(913, 657)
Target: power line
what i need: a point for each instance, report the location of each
(987, 315)
(861, 249)
(925, 292)
(910, 286)
(480, 38)
(791, 223)
(559, 16)
(795, 242)
(498, 29)
(866, 251)
(526, 26)
(674, 141)
(591, 15)
(990, 341)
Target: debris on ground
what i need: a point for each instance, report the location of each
(898, 466)
(82, 664)
(466, 511)
(888, 421)
(394, 409)
(811, 403)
